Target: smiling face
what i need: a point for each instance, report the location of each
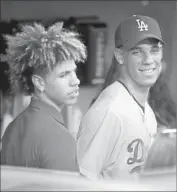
(142, 64)
(61, 85)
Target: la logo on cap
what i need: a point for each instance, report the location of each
(141, 25)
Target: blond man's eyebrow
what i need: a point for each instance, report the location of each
(68, 71)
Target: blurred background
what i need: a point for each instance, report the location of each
(96, 21)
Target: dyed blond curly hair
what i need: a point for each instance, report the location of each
(36, 48)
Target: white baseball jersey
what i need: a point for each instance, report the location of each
(115, 135)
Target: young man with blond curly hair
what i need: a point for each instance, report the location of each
(43, 64)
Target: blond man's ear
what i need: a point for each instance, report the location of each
(38, 83)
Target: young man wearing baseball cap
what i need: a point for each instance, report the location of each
(115, 134)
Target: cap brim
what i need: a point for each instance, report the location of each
(130, 45)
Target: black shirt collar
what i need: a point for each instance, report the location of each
(35, 103)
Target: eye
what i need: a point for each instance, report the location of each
(63, 75)
(136, 52)
(155, 50)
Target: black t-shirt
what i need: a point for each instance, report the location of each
(38, 138)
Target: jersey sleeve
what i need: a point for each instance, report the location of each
(58, 151)
(99, 131)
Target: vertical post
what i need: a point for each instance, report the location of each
(173, 77)
(1, 107)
